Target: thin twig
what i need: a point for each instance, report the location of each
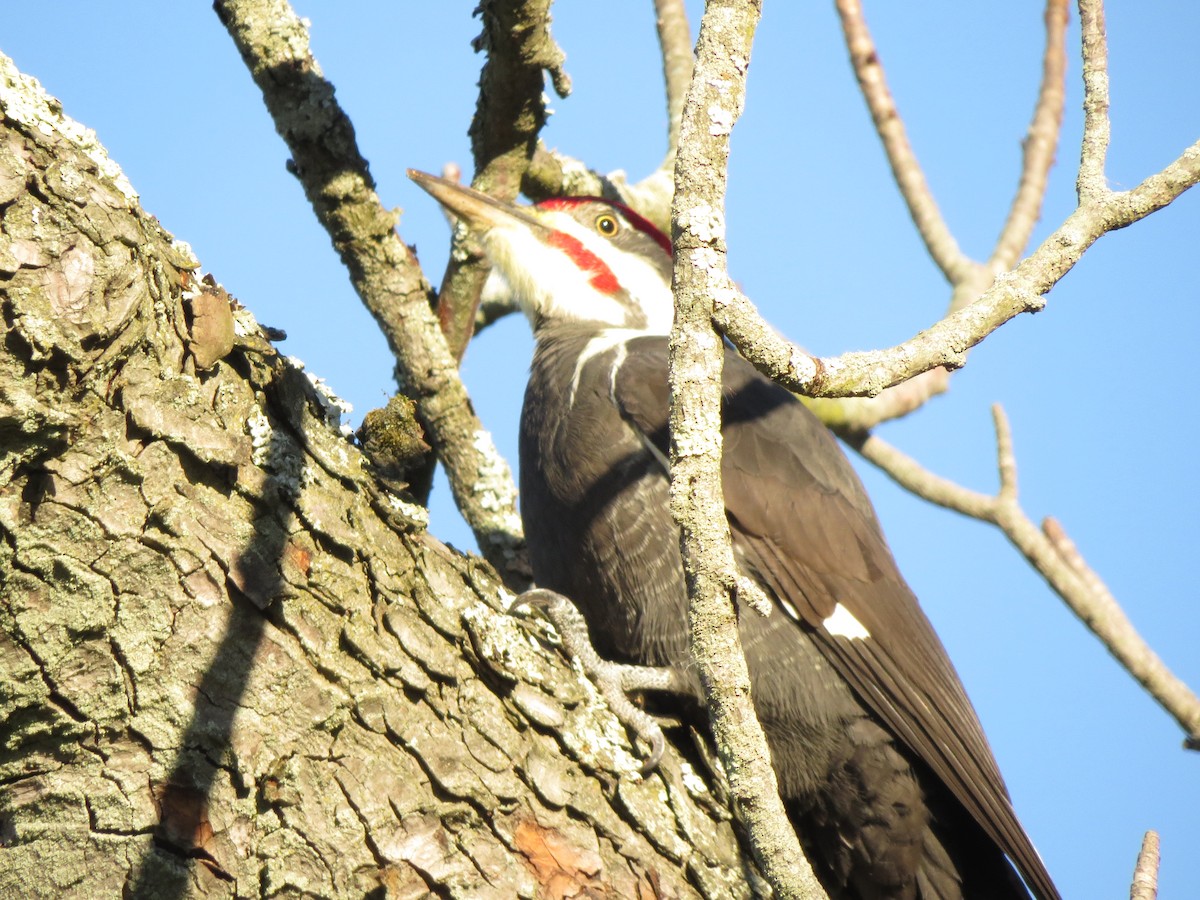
(1006, 459)
(1145, 873)
(1054, 556)
(1092, 184)
(914, 478)
(946, 343)
(1104, 616)
(1040, 143)
(675, 39)
(714, 102)
(864, 58)
(325, 158)
(968, 277)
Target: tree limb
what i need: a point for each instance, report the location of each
(1055, 557)
(945, 343)
(232, 663)
(1145, 873)
(1039, 145)
(714, 102)
(864, 58)
(1091, 183)
(274, 45)
(509, 114)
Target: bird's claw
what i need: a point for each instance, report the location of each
(614, 680)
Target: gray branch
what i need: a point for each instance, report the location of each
(274, 45)
(509, 115)
(1052, 553)
(1145, 874)
(1020, 291)
(714, 103)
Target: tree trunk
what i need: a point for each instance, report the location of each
(231, 662)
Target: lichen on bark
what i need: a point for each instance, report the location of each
(232, 663)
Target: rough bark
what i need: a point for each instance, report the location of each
(231, 663)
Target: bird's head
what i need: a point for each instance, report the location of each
(570, 259)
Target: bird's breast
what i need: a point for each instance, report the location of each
(595, 505)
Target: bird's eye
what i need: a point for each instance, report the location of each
(607, 224)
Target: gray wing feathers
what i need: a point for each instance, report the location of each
(802, 520)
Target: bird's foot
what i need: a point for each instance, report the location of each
(614, 680)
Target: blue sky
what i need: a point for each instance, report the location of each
(1100, 387)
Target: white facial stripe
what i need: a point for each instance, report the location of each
(843, 624)
(602, 343)
(615, 370)
(559, 289)
(659, 456)
(639, 278)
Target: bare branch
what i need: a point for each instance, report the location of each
(968, 277)
(714, 102)
(1102, 614)
(945, 344)
(325, 158)
(850, 414)
(509, 114)
(1055, 557)
(1006, 460)
(914, 478)
(905, 168)
(1145, 873)
(1092, 184)
(860, 414)
(675, 39)
(1039, 145)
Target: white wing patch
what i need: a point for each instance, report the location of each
(789, 608)
(842, 623)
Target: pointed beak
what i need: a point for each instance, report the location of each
(480, 212)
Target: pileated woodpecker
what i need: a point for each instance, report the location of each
(881, 761)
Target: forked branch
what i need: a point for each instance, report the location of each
(945, 343)
(1054, 555)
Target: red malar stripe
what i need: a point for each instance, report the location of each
(602, 278)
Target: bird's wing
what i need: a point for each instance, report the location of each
(803, 523)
